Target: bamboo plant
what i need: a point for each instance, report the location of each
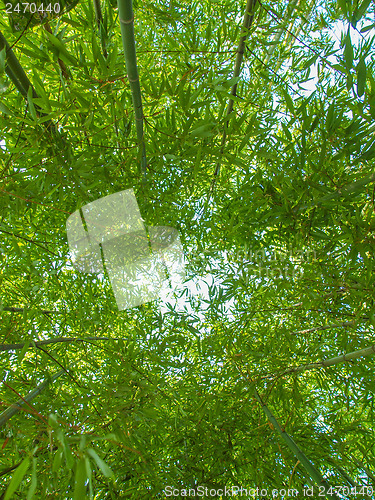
(126, 16)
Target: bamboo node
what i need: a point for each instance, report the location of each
(122, 21)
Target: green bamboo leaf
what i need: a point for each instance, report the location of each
(80, 480)
(100, 463)
(57, 460)
(361, 77)
(289, 102)
(33, 484)
(17, 478)
(2, 61)
(361, 10)
(348, 52)
(24, 350)
(62, 50)
(5, 109)
(343, 7)
(39, 87)
(33, 51)
(330, 116)
(31, 104)
(202, 131)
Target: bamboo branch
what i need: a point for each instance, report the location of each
(27, 239)
(21, 309)
(16, 407)
(12, 347)
(247, 21)
(126, 17)
(325, 363)
(309, 467)
(326, 327)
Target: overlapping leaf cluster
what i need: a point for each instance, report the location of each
(277, 219)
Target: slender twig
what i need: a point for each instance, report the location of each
(126, 16)
(30, 241)
(276, 39)
(326, 327)
(16, 407)
(353, 187)
(12, 347)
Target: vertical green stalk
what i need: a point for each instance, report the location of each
(18, 76)
(309, 467)
(14, 70)
(126, 16)
(247, 21)
(16, 407)
(99, 22)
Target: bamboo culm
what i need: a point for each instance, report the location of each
(14, 70)
(16, 407)
(126, 16)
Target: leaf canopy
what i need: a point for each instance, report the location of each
(263, 159)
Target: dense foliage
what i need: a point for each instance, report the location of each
(269, 178)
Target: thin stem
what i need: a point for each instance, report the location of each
(12, 347)
(326, 327)
(126, 17)
(21, 309)
(16, 407)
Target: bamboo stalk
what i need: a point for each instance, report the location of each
(16, 69)
(18, 76)
(12, 347)
(126, 16)
(99, 22)
(247, 21)
(292, 445)
(15, 81)
(16, 407)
